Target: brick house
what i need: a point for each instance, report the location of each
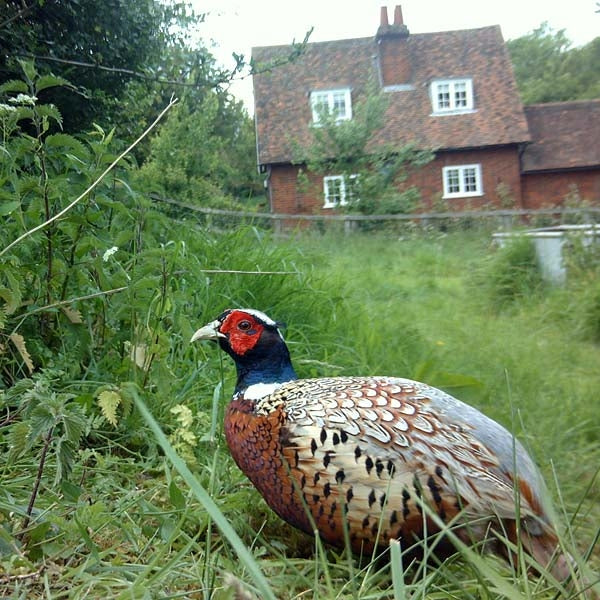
(453, 92)
(563, 159)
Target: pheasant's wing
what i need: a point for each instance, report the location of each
(377, 442)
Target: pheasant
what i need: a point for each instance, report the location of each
(370, 459)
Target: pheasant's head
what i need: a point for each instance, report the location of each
(254, 342)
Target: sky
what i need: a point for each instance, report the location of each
(238, 25)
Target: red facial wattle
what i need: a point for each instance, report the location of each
(242, 331)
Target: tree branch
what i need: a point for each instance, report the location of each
(26, 9)
(225, 78)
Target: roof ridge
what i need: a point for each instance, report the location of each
(563, 103)
(371, 38)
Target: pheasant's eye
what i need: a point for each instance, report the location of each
(244, 325)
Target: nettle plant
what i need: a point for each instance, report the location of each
(41, 171)
(84, 284)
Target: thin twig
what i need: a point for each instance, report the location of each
(108, 169)
(235, 272)
(122, 71)
(38, 479)
(71, 300)
(225, 76)
(26, 9)
(22, 577)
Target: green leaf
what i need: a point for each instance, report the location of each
(11, 300)
(109, 401)
(68, 142)
(48, 81)
(28, 67)
(7, 207)
(65, 457)
(176, 496)
(75, 423)
(71, 491)
(24, 112)
(41, 423)
(17, 439)
(51, 112)
(14, 85)
(397, 570)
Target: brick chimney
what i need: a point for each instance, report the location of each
(392, 44)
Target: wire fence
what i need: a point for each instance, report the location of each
(489, 220)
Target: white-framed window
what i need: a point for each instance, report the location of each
(334, 102)
(461, 181)
(450, 96)
(339, 190)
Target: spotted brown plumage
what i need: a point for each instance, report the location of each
(385, 457)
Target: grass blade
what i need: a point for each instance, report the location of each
(397, 570)
(207, 502)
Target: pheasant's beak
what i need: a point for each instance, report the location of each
(208, 332)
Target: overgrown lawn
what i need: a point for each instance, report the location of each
(126, 523)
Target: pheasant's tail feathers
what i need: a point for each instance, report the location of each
(547, 553)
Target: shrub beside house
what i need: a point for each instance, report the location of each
(452, 92)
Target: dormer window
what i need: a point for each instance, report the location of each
(451, 96)
(333, 102)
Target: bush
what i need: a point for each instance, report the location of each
(511, 273)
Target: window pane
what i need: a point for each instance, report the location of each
(470, 179)
(460, 95)
(452, 181)
(333, 194)
(352, 188)
(339, 104)
(319, 104)
(443, 95)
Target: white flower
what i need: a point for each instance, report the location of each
(109, 253)
(23, 99)
(7, 108)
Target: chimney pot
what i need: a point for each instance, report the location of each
(384, 17)
(398, 20)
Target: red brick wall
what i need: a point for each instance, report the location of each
(499, 166)
(499, 170)
(289, 196)
(551, 189)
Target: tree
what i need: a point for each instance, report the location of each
(204, 154)
(99, 46)
(547, 69)
(374, 170)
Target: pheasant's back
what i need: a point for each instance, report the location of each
(372, 452)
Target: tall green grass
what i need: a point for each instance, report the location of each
(131, 523)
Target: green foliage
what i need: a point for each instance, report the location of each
(49, 418)
(511, 273)
(100, 45)
(547, 69)
(203, 155)
(40, 174)
(582, 261)
(351, 148)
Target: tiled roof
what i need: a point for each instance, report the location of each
(565, 135)
(281, 97)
